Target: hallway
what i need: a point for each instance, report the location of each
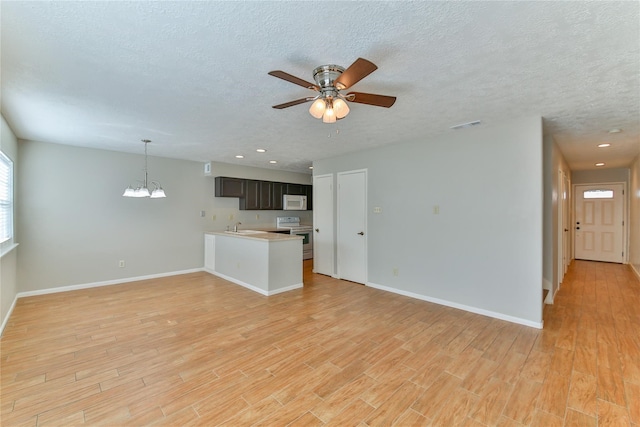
(593, 333)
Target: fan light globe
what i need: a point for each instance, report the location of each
(329, 116)
(317, 108)
(341, 108)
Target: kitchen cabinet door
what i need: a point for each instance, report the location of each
(266, 199)
(278, 190)
(229, 187)
(297, 189)
(251, 199)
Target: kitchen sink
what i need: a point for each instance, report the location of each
(245, 232)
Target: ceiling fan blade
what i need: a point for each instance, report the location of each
(293, 79)
(371, 99)
(357, 71)
(292, 103)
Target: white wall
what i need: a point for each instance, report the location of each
(75, 225)
(484, 249)
(634, 216)
(9, 262)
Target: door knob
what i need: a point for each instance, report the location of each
(361, 233)
(317, 230)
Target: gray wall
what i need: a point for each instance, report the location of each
(484, 249)
(75, 225)
(9, 262)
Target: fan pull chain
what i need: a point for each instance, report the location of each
(337, 132)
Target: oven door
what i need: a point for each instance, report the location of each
(307, 242)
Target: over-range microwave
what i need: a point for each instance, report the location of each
(294, 202)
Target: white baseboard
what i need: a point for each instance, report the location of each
(546, 284)
(637, 273)
(495, 315)
(254, 288)
(6, 318)
(106, 283)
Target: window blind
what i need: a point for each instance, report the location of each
(6, 198)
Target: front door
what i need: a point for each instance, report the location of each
(352, 225)
(599, 222)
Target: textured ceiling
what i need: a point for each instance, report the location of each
(192, 76)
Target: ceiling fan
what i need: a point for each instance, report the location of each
(330, 105)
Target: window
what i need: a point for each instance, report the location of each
(598, 194)
(6, 198)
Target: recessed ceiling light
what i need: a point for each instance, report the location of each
(606, 144)
(600, 164)
(261, 150)
(615, 130)
(272, 161)
(239, 156)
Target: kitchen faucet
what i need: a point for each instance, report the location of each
(235, 226)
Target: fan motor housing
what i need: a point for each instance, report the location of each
(326, 75)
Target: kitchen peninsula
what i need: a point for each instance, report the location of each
(267, 263)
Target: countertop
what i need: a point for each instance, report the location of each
(263, 235)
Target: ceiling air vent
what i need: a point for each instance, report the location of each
(466, 125)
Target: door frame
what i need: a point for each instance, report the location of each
(625, 216)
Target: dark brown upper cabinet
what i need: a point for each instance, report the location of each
(230, 187)
(260, 195)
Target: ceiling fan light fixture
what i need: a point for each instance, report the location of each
(341, 108)
(318, 108)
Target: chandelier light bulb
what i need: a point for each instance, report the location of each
(317, 108)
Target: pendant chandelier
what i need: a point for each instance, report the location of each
(143, 190)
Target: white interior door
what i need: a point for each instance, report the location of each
(563, 226)
(323, 242)
(352, 226)
(566, 226)
(599, 222)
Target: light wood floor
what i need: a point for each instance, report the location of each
(196, 350)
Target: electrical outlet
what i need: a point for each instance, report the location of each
(395, 271)
(377, 209)
(257, 216)
(121, 263)
(436, 209)
(213, 217)
(230, 216)
(203, 214)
